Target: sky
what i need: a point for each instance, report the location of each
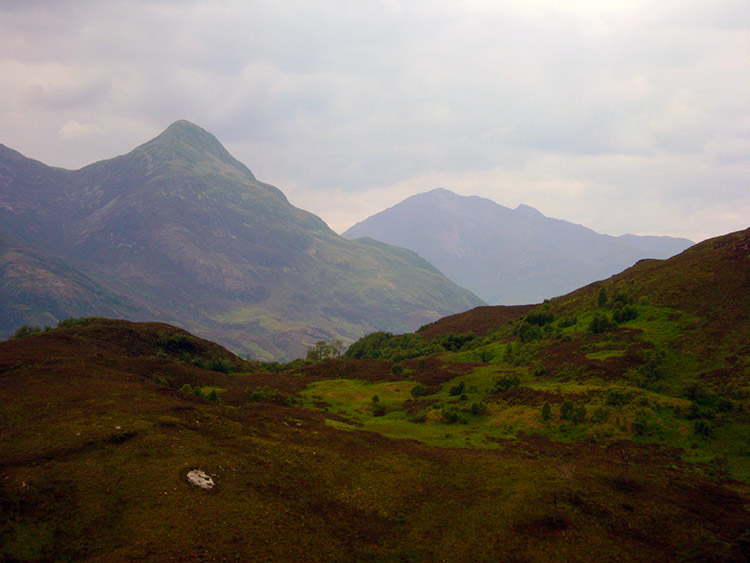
(623, 116)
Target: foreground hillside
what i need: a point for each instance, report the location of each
(102, 425)
(178, 230)
(575, 431)
(507, 256)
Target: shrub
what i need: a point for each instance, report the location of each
(566, 410)
(503, 384)
(25, 331)
(546, 411)
(600, 415)
(579, 415)
(540, 318)
(397, 369)
(457, 389)
(616, 398)
(187, 389)
(452, 416)
(418, 390)
(454, 342)
(724, 405)
(540, 370)
(478, 408)
(602, 297)
(702, 428)
(624, 314)
(160, 380)
(570, 320)
(178, 343)
(640, 424)
(600, 324)
(527, 332)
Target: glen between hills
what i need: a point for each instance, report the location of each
(609, 424)
(178, 230)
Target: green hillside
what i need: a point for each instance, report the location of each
(610, 424)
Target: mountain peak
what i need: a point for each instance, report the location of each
(184, 141)
(528, 211)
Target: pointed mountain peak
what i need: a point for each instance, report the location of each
(184, 141)
(529, 211)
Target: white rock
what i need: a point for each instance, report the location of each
(200, 479)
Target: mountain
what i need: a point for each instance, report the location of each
(608, 424)
(507, 256)
(188, 234)
(36, 289)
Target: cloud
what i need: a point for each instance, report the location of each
(572, 106)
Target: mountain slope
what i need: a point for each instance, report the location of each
(507, 256)
(38, 290)
(182, 228)
(658, 354)
(536, 439)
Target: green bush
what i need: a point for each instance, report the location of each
(579, 415)
(624, 314)
(418, 390)
(527, 332)
(640, 424)
(454, 342)
(566, 410)
(25, 331)
(457, 389)
(600, 415)
(616, 398)
(570, 320)
(546, 411)
(397, 369)
(478, 408)
(539, 318)
(602, 298)
(702, 428)
(452, 416)
(601, 324)
(503, 384)
(178, 343)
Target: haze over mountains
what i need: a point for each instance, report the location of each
(507, 256)
(177, 230)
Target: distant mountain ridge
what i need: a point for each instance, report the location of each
(507, 256)
(183, 232)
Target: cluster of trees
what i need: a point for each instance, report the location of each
(622, 310)
(186, 348)
(399, 347)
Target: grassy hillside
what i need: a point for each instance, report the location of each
(611, 424)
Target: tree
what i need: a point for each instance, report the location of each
(601, 299)
(546, 411)
(323, 350)
(26, 330)
(566, 410)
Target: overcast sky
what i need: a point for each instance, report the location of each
(624, 116)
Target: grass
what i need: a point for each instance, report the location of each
(309, 467)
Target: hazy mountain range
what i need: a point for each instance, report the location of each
(507, 256)
(178, 230)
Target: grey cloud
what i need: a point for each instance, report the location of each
(360, 96)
